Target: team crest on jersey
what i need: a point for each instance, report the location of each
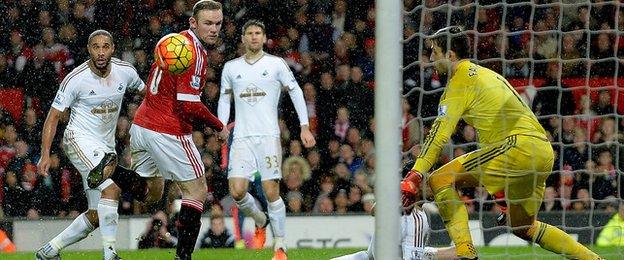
(265, 74)
(252, 94)
(195, 81)
(120, 89)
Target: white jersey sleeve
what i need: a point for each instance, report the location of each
(286, 77)
(223, 109)
(136, 83)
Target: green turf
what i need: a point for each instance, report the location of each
(316, 254)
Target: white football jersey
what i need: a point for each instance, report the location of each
(414, 233)
(95, 102)
(256, 89)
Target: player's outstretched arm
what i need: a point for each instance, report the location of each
(47, 135)
(198, 111)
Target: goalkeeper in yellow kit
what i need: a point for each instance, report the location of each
(514, 156)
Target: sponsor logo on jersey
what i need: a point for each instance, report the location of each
(265, 74)
(239, 77)
(252, 94)
(92, 93)
(120, 89)
(106, 111)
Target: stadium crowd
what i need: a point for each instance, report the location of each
(330, 47)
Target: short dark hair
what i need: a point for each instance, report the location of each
(254, 22)
(453, 38)
(100, 32)
(205, 5)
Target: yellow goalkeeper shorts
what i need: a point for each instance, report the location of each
(519, 165)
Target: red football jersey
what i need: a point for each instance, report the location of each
(159, 110)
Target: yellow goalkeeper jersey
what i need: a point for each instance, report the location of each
(486, 101)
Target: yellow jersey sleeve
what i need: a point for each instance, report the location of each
(453, 103)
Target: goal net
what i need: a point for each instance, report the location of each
(564, 58)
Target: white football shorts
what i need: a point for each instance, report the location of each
(86, 152)
(173, 157)
(256, 153)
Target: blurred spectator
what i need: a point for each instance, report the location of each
(355, 197)
(7, 150)
(294, 202)
(328, 100)
(324, 205)
(22, 158)
(57, 53)
(603, 48)
(31, 129)
(358, 98)
(309, 94)
(350, 159)
(570, 51)
(341, 202)
(368, 201)
(156, 234)
(551, 90)
(20, 53)
(339, 18)
(40, 80)
(218, 236)
(603, 106)
(7, 73)
(342, 123)
(577, 154)
(16, 199)
(296, 172)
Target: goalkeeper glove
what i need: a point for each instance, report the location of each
(409, 187)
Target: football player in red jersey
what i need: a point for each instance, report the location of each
(161, 141)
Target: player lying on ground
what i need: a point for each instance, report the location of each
(414, 234)
(515, 155)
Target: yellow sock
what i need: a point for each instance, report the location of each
(555, 240)
(455, 217)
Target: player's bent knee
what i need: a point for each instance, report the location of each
(238, 188)
(92, 216)
(438, 181)
(237, 194)
(111, 192)
(194, 189)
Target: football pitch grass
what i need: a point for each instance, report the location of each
(320, 254)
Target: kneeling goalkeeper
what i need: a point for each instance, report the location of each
(515, 156)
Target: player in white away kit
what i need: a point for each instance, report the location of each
(160, 137)
(256, 80)
(414, 235)
(94, 92)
